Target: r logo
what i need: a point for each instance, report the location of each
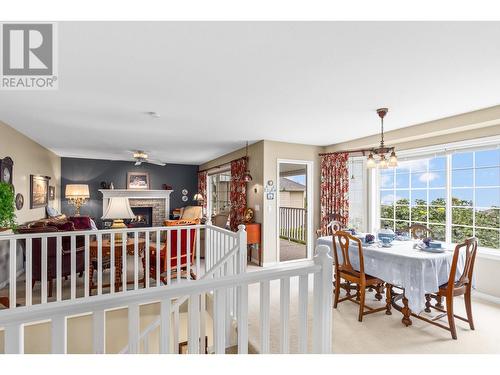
(27, 49)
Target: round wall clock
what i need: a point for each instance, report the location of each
(19, 201)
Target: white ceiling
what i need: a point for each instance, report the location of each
(218, 84)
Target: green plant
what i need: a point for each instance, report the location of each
(7, 206)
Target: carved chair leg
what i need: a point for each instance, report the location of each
(337, 291)
(193, 275)
(427, 303)
(361, 294)
(468, 308)
(451, 318)
(357, 292)
(388, 300)
(348, 288)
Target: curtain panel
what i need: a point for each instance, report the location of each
(202, 188)
(334, 193)
(238, 193)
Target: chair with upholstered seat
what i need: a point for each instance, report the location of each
(454, 288)
(344, 270)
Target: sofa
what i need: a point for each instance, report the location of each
(56, 225)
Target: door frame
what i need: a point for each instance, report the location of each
(309, 210)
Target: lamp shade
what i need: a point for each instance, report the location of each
(118, 208)
(77, 191)
(198, 197)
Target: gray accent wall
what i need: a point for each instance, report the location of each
(93, 171)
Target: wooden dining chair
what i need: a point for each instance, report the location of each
(419, 231)
(334, 225)
(345, 270)
(454, 288)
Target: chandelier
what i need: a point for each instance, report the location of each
(382, 151)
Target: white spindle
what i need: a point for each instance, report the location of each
(284, 315)
(14, 339)
(188, 253)
(302, 313)
(198, 269)
(179, 256)
(176, 324)
(169, 256)
(124, 262)
(44, 270)
(99, 332)
(242, 241)
(87, 265)
(147, 260)
(99, 263)
(59, 334)
(133, 328)
(243, 319)
(165, 322)
(73, 266)
(112, 266)
(136, 260)
(29, 271)
(194, 324)
(322, 301)
(158, 251)
(265, 325)
(219, 321)
(12, 273)
(202, 322)
(59, 268)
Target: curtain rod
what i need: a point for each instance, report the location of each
(221, 165)
(361, 151)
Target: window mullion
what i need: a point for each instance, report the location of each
(448, 198)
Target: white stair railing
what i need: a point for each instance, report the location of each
(223, 258)
(14, 320)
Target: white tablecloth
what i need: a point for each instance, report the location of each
(418, 272)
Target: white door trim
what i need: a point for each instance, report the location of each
(310, 205)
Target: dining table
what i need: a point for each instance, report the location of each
(404, 265)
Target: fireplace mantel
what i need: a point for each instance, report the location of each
(136, 194)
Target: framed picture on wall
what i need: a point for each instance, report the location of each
(138, 180)
(39, 191)
(52, 193)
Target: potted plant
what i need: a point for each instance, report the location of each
(7, 207)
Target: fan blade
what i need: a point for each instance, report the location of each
(156, 162)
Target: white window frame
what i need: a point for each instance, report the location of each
(428, 152)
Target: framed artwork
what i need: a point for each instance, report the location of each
(52, 193)
(39, 191)
(138, 180)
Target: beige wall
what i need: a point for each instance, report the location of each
(29, 158)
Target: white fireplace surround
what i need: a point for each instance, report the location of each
(107, 194)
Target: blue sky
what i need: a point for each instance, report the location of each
(301, 179)
(486, 175)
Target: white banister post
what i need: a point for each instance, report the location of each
(208, 224)
(323, 289)
(242, 243)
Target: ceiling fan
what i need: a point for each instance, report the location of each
(142, 157)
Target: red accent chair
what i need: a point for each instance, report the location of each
(174, 258)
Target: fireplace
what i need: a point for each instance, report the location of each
(143, 217)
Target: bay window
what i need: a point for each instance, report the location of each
(457, 195)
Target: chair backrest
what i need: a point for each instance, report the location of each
(470, 248)
(333, 227)
(343, 240)
(419, 231)
(220, 220)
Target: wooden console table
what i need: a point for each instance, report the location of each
(253, 238)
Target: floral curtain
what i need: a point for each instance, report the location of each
(238, 193)
(202, 188)
(334, 189)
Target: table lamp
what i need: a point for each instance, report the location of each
(198, 198)
(118, 210)
(77, 195)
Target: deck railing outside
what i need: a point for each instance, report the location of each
(293, 224)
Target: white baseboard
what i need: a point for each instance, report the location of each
(487, 297)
